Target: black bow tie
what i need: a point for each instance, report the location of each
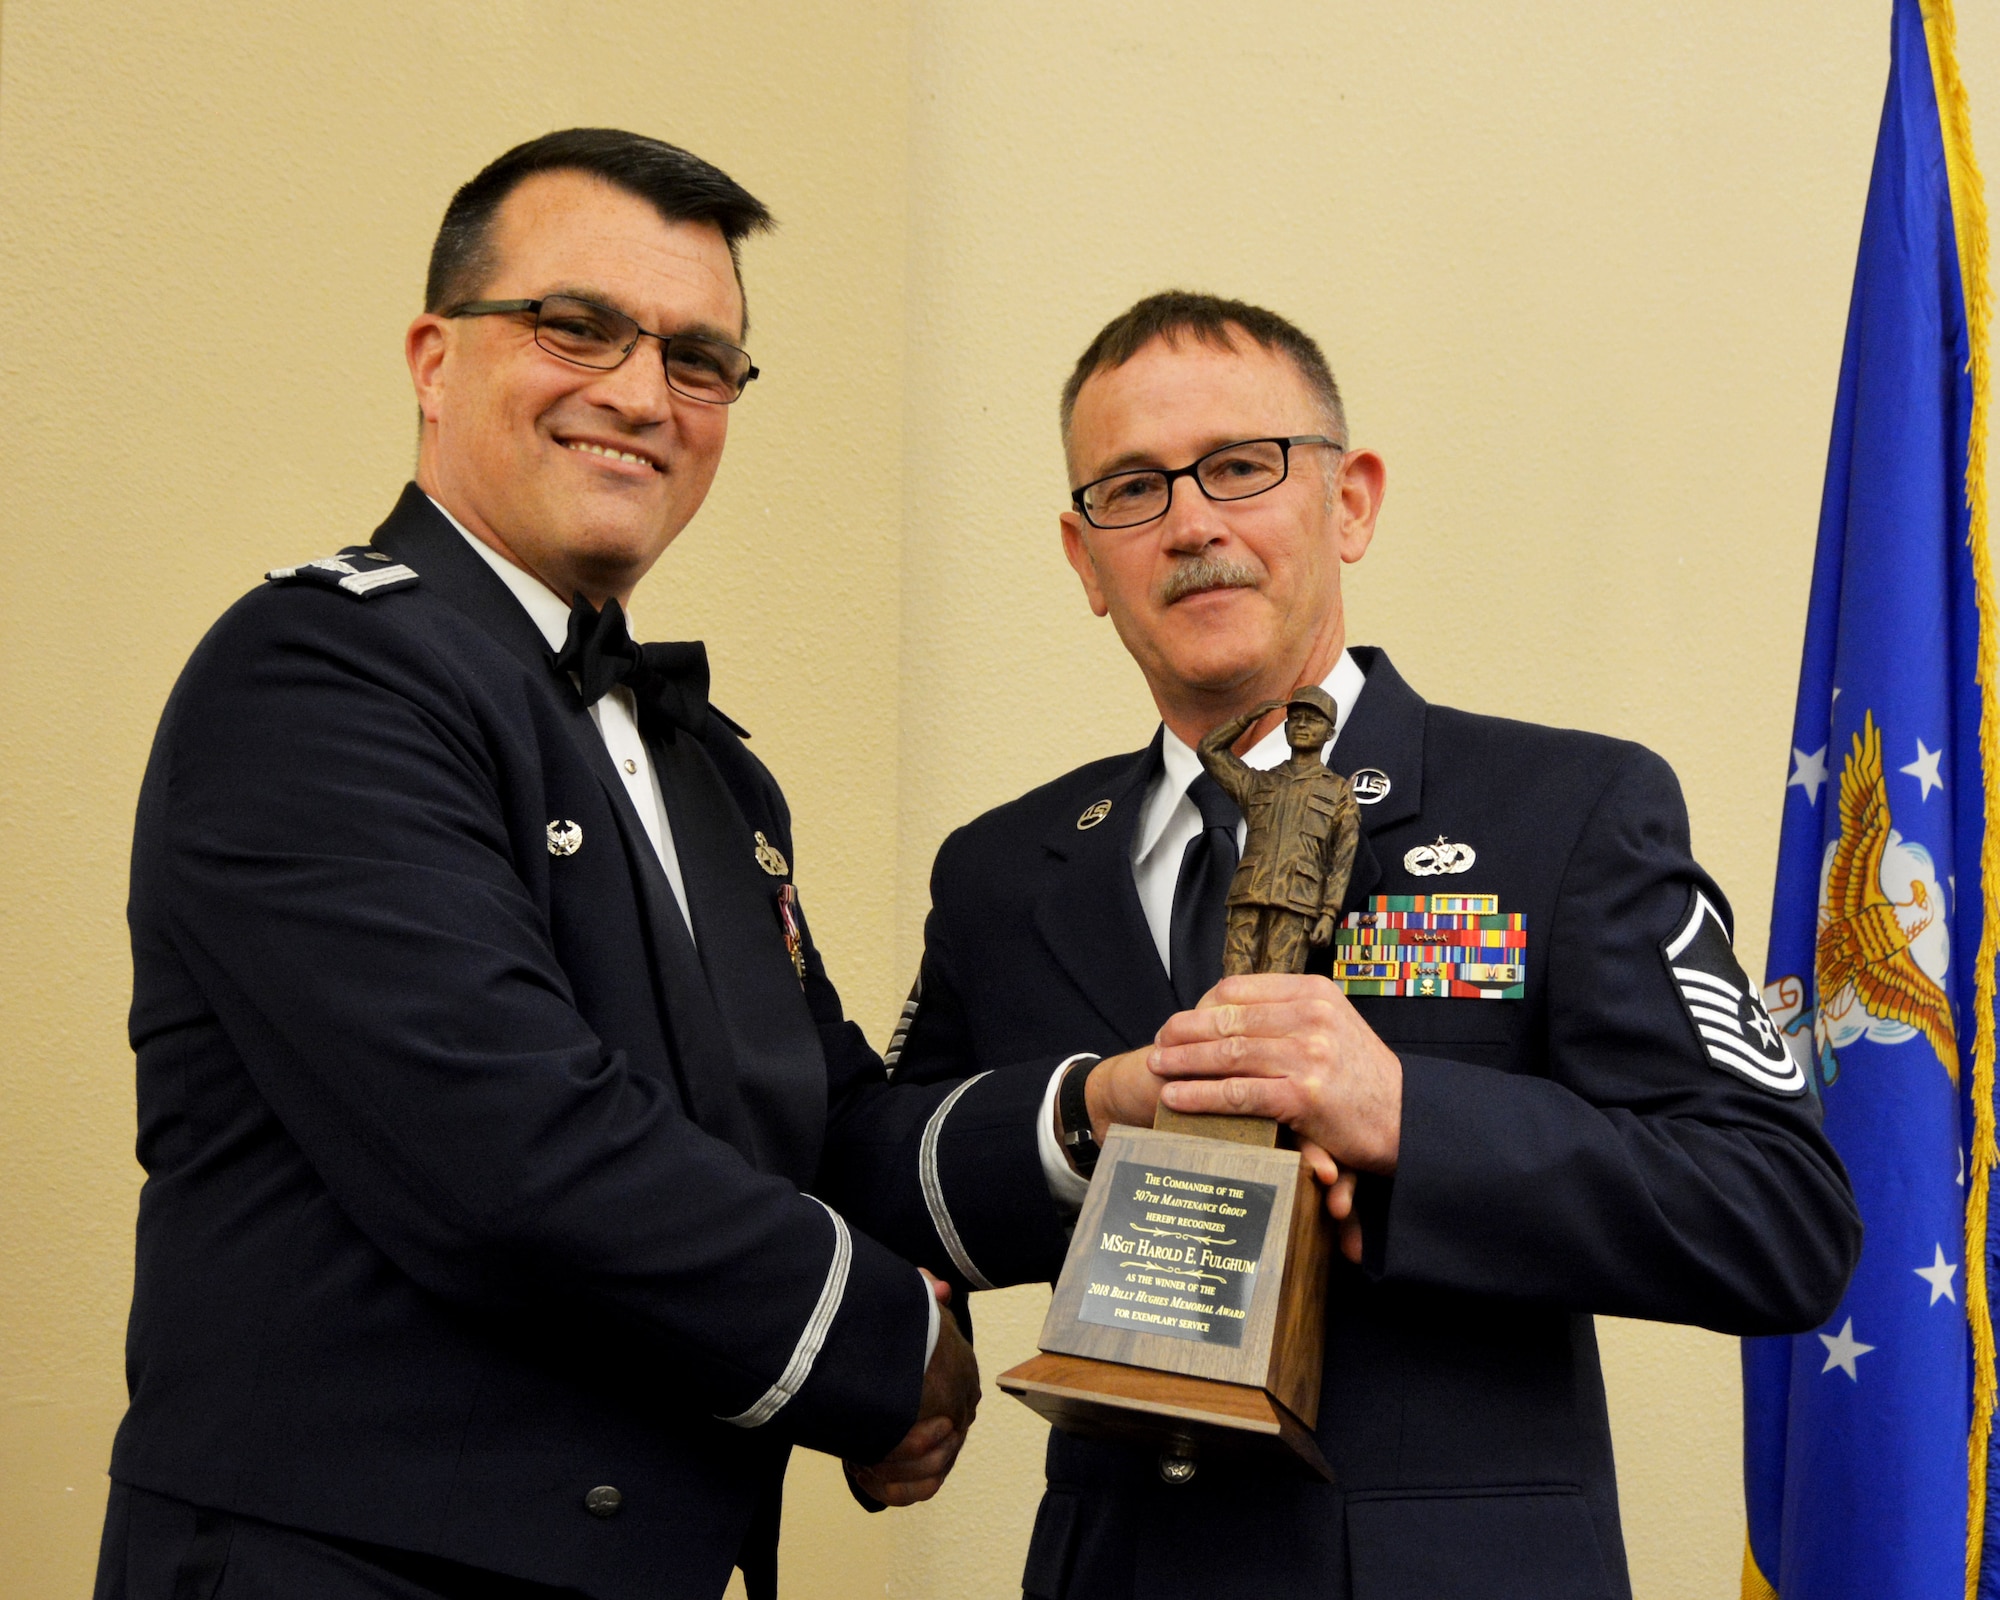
(669, 681)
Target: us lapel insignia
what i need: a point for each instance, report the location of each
(1093, 815)
(1369, 785)
(1433, 947)
(1431, 860)
(565, 838)
(771, 858)
(795, 934)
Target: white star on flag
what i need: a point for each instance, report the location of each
(1843, 1350)
(1808, 773)
(1939, 1275)
(1925, 769)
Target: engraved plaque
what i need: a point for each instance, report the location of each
(1177, 1253)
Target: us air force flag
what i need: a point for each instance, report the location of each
(1866, 1442)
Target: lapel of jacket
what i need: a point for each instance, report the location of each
(774, 1045)
(417, 533)
(1089, 914)
(1384, 732)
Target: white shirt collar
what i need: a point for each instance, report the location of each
(549, 615)
(1182, 765)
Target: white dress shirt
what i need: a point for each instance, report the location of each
(1168, 821)
(616, 716)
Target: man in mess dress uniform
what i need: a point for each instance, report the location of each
(1528, 1068)
(487, 1071)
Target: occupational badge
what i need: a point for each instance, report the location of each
(565, 838)
(1093, 815)
(1433, 947)
(1432, 860)
(771, 858)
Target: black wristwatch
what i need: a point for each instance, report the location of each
(1073, 1113)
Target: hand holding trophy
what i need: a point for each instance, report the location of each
(1190, 1309)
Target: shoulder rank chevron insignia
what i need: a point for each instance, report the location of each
(357, 570)
(1728, 1015)
(1433, 947)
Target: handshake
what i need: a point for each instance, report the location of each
(916, 1469)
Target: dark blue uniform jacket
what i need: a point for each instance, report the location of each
(470, 1186)
(1571, 1152)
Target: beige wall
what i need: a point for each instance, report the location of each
(1582, 270)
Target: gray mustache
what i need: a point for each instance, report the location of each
(1206, 572)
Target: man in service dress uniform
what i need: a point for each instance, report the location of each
(487, 1070)
(1521, 1116)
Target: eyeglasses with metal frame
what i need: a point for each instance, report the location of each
(587, 334)
(1234, 472)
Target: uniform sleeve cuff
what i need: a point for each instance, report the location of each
(1067, 1186)
(983, 1170)
(862, 1392)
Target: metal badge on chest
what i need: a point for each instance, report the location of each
(565, 837)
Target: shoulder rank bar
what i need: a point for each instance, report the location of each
(1433, 947)
(358, 570)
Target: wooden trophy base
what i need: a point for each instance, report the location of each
(1184, 1418)
(1189, 1313)
(1260, 1131)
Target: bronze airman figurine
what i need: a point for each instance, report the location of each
(1298, 849)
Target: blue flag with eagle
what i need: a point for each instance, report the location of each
(1866, 1442)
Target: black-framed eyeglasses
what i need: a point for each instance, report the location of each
(1234, 472)
(586, 334)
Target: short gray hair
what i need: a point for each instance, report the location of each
(1211, 320)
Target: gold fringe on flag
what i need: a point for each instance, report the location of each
(1755, 1585)
(1968, 211)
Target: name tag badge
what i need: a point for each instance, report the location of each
(1433, 947)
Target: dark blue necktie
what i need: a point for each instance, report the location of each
(1201, 894)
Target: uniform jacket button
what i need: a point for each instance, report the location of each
(603, 1501)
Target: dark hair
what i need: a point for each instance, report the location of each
(1208, 318)
(680, 186)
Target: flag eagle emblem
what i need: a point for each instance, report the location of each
(1866, 952)
(1736, 1032)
